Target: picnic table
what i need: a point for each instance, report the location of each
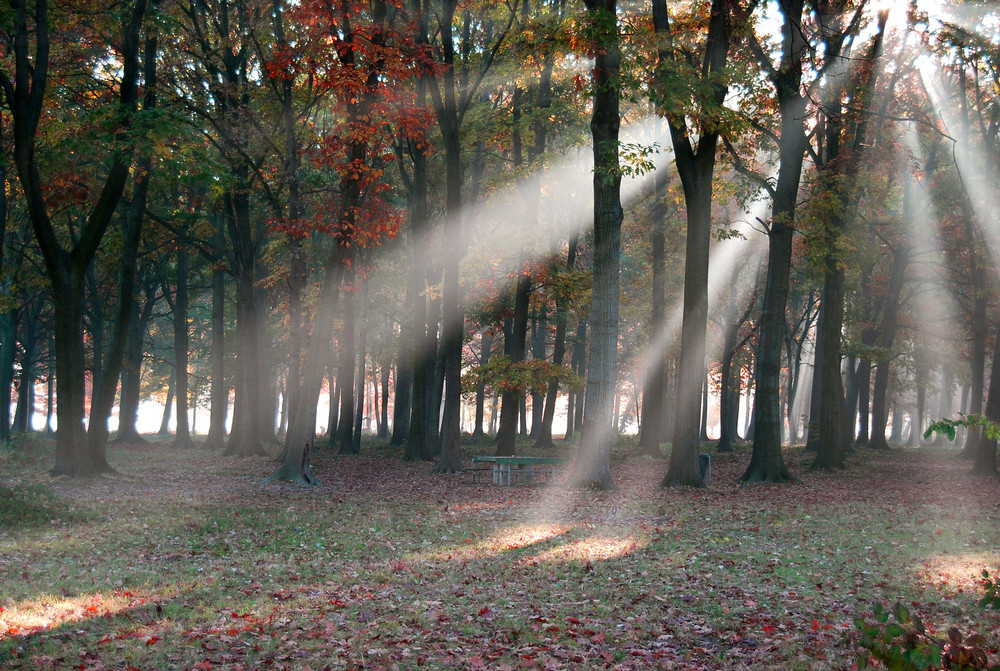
(515, 470)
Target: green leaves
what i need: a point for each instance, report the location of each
(991, 587)
(947, 426)
(906, 645)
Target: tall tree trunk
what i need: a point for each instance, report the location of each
(128, 409)
(435, 379)
(864, 377)
(538, 328)
(8, 347)
(830, 450)
(346, 375)
(383, 428)
(766, 461)
(50, 388)
(359, 414)
(29, 372)
(917, 423)
(592, 468)
(846, 139)
(168, 407)
(581, 369)
(245, 439)
(446, 104)
(8, 318)
(418, 352)
(653, 396)
(729, 403)
(696, 167)
(558, 354)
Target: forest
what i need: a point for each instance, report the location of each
(416, 221)
(276, 275)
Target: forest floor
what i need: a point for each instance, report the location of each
(187, 560)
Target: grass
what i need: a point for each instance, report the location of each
(187, 560)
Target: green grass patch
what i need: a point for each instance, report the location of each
(34, 505)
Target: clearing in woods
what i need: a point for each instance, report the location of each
(188, 560)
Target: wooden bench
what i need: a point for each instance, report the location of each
(508, 471)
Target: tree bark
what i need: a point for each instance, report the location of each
(29, 371)
(653, 396)
(128, 409)
(592, 468)
(558, 354)
(219, 389)
(985, 457)
(346, 375)
(485, 345)
(446, 104)
(696, 168)
(8, 348)
(514, 348)
(182, 434)
(767, 463)
(886, 336)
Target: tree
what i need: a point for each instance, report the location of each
(696, 167)
(451, 95)
(766, 461)
(846, 134)
(593, 464)
(361, 57)
(30, 39)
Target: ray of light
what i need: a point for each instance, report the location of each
(972, 164)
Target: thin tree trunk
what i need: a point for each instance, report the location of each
(558, 354)
(8, 347)
(886, 337)
(128, 410)
(538, 328)
(26, 379)
(345, 376)
(514, 348)
(182, 435)
(168, 406)
(219, 392)
(653, 397)
(486, 344)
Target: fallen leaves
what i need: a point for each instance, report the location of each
(360, 573)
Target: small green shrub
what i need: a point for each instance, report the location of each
(991, 587)
(907, 645)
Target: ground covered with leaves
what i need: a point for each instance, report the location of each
(188, 560)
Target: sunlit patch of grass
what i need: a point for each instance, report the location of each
(592, 548)
(50, 610)
(956, 572)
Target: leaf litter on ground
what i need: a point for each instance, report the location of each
(188, 560)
